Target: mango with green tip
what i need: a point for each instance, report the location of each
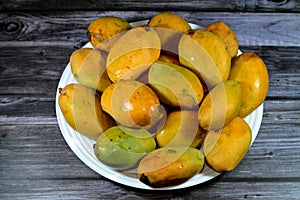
(206, 55)
(88, 66)
(122, 148)
(175, 85)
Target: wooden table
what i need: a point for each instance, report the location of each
(36, 40)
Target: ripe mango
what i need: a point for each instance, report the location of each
(181, 129)
(122, 148)
(225, 148)
(170, 28)
(206, 55)
(170, 165)
(88, 66)
(252, 74)
(82, 110)
(129, 58)
(221, 105)
(228, 36)
(103, 28)
(132, 104)
(175, 85)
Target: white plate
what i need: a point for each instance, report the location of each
(83, 146)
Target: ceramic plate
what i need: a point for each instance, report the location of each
(83, 146)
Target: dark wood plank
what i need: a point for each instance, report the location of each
(252, 29)
(38, 75)
(97, 189)
(193, 5)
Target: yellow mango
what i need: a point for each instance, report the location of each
(181, 129)
(225, 148)
(221, 105)
(228, 36)
(170, 28)
(132, 104)
(206, 55)
(103, 28)
(80, 106)
(133, 53)
(169, 166)
(175, 85)
(88, 67)
(252, 74)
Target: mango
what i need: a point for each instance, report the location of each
(252, 74)
(221, 105)
(122, 148)
(88, 66)
(80, 106)
(228, 36)
(181, 129)
(103, 28)
(170, 28)
(132, 103)
(175, 85)
(170, 165)
(206, 55)
(129, 58)
(225, 148)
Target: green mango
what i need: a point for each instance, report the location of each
(122, 148)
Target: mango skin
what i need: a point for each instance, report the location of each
(170, 28)
(206, 55)
(225, 148)
(82, 110)
(104, 28)
(129, 58)
(221, 105)
(170, 165)
(252, 74)
(88, 66)
(222, 30)
(175, 85)
(181, 129)
(122, 148)
(132, 103)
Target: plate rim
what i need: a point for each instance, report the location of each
(254, 118)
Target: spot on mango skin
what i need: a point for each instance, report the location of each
(144, 179)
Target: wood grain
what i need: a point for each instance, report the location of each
(193, 5)
(263, 29)
(26, 160)
(36, 40)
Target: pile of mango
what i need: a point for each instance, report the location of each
(163, 99)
